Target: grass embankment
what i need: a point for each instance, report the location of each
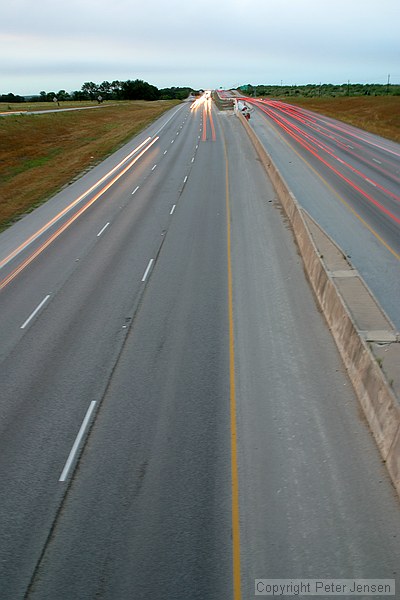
(377, 114)
(39, 154)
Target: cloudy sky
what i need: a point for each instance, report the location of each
(51, 44)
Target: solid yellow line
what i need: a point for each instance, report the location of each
(234, 455)
(339, 197)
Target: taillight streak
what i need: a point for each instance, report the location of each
(341, 138)
(292, 131)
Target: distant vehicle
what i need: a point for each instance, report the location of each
(244, 109)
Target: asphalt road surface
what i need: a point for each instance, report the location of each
(175, 420)
(349, 181)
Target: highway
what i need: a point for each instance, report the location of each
(348, 180)
(175, 420)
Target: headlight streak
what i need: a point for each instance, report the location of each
(71, 220)
(205, 103)
(66, 210)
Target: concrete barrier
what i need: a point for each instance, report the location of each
(375, 393)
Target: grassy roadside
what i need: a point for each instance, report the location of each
(377, 114)
(39, 154)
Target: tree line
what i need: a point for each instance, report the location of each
(115, 90)
(322, 90)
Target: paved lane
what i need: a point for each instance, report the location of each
(155, 479)
(62, 359)
(349, 181)
(79, 220)
(363, 166)
(314, 496)
(145, 509)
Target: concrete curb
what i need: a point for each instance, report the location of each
(375, 394)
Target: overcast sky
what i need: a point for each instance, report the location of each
(51, 44)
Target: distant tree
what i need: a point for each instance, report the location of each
(116, 89)
(105, 90)
(63, 96)
(11, 98)
(175, 93)
(78, 95)
(91, 90)
(139, 90)
(327, 90)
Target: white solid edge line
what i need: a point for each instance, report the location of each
(172, 209)
(103, 230)
(147, 270)
(78, 440)
(29, 319)
(135, 190)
